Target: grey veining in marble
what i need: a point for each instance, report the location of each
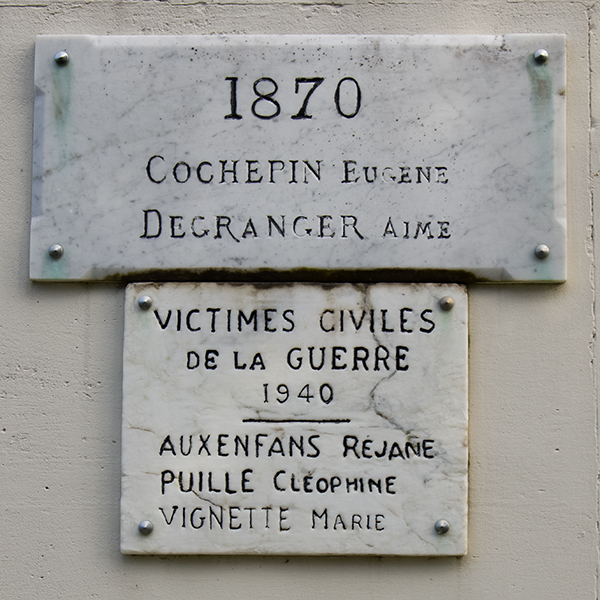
(246, 153)
(294, 419)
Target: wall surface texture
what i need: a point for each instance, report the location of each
(533, 502)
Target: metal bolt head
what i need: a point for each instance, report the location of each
(441, 527)
(145, 302)
(146, 527)
(446, 303)
(56, 251)
(61, 58)
(541, 56)
(542, 251)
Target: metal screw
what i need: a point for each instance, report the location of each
(61, 58)
(145, 302)
(446, 303)
(146, 527)
(441, 527)
(541, 56)
(542, 251)
(56, 251)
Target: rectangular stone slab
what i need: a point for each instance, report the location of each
(403, 157)
(294, 419)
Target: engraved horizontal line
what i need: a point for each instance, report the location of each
(295, 420)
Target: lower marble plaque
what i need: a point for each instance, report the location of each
(295, 419)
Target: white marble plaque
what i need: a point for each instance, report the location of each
(428, 154)
(295, 419)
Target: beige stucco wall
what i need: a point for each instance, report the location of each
(533, 416)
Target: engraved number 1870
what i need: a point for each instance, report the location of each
(265, 106)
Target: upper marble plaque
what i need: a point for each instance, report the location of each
(294, 419)
(421, 157)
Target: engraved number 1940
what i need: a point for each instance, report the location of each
(283, 393)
